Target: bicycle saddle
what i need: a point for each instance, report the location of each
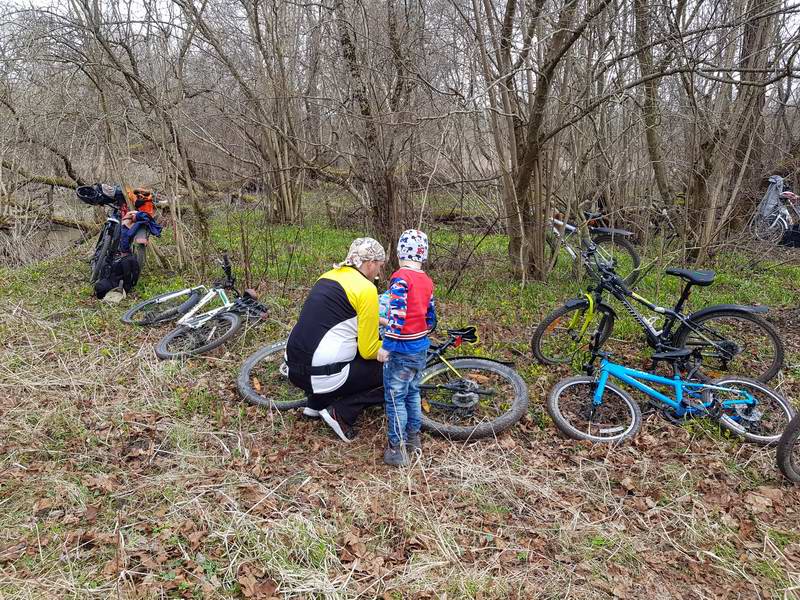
(672, 354)
(695, 277)
(589, 215)
(467, 334)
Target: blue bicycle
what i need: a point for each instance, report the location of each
(592, 408)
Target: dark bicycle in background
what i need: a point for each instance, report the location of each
(612, 246)
(777, 213)
(108, 240)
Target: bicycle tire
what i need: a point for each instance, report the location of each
(683, 333)
(788, 445)
(162, 347)
(100, 257)
(571, 431)
(193, 297)
(629, 249)
(548, 324)
(728, 420)
(769, 233)
(263, 396)
(514, 413)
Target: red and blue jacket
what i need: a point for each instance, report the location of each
(412, 312)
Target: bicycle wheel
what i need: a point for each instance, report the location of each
(564, 332)
(101, 256)
(188, 341)
(769, 230)
(618, 252)
(734, 342)
(263, 379)
(762, 423)
(572, 410)
(788, 454)
(471, 398)
(156, 310)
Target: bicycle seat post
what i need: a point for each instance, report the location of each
(687, 290)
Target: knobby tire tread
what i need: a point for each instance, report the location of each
(163, 343)
(518, 408)
(244, 380)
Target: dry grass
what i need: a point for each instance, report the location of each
(124, 476)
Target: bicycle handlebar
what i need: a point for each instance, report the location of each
(602, 271)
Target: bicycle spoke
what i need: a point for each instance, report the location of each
(750, 409)
(731, 343)
(477, 396)
(607, 420)
(270, 379)
(193, 338)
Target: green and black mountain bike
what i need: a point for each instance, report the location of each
(729, 339)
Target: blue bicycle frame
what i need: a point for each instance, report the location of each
(681, 387)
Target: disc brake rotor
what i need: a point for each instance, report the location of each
(746, 413)
(466, 397)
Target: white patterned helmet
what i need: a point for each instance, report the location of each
(413, 245)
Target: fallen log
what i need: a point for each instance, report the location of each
(41, 179)
(19, 211)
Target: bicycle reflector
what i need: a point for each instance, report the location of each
(458, 341)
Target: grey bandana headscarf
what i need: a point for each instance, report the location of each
(361, 250)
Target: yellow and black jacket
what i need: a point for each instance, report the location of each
(338, 321)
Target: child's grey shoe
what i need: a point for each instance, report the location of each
(395, 456)
(414, 443)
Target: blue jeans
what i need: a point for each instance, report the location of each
(401, 377)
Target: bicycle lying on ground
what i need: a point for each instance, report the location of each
(728, 337)
(788, 454)
(612, 246)
(197, 332)
(592, 408)
(465, 397)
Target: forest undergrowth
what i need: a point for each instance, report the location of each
(124, 476)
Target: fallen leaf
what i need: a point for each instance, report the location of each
(90, 514)
(757, 502)
(12, 553)
(255, 585)
(42, 506)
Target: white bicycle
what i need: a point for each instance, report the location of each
(197, 332)
(776, 214)
(611, 245)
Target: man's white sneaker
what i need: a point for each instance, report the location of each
(343, 430)
(310, 412)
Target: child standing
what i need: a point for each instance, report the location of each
(411, 318)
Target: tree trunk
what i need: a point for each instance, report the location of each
(650, 109)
